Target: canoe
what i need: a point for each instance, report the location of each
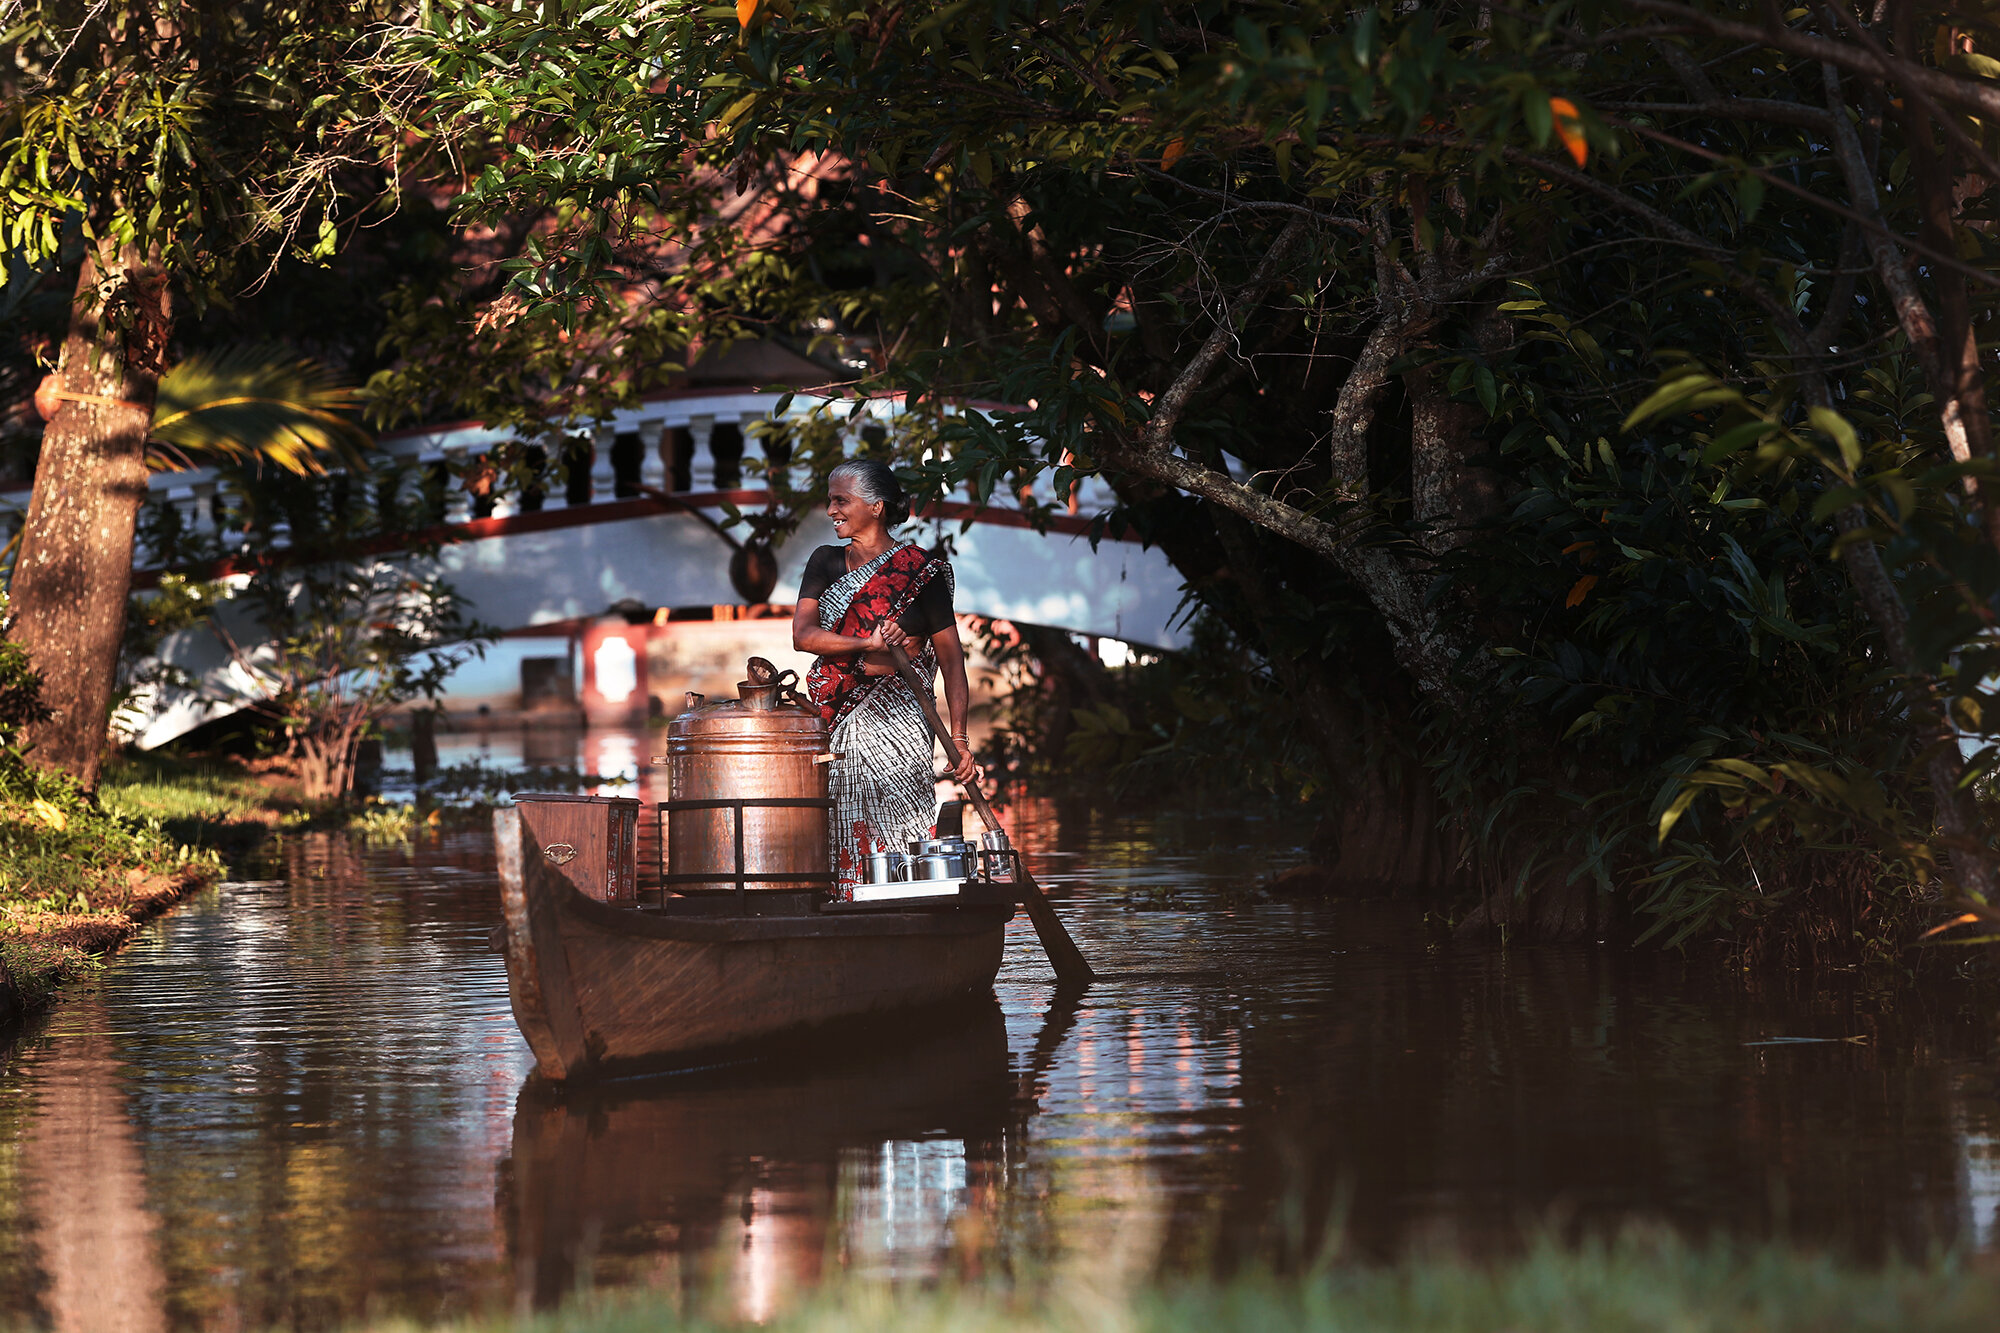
(600, 989)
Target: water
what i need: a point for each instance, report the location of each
(300, 1100)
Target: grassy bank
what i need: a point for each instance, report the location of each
(203, 802)
(1641, 1284)
(76, 879)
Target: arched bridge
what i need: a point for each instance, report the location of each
(607, 543)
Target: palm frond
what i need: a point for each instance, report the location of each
(256, 404)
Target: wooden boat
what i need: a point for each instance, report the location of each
(598, 988)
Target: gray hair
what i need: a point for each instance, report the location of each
(876, 484)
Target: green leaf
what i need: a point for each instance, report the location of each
(1737, 438)
(1683, 393)
(1830, 422)
(1749, 196)
(1537, 116)
(1681, 802)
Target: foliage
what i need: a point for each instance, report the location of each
(333, 627)
(20, 686)
(339, 644)
(384, 824)
(57, 849)
(74, 877)
(249, 403)
(1209, 721)
(198, 802)
(198, 133)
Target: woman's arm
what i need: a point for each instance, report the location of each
(957, 698)
(808, 637)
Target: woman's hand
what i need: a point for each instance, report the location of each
(967, 769)
(885, 637)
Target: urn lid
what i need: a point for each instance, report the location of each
(766, 702)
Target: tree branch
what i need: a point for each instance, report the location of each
(1158, 433)
(1734, 108)
(1983, 99)
(1396, 592)
(1255, 205)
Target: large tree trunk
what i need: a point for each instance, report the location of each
(74, 569)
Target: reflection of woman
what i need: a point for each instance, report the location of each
(855, 601)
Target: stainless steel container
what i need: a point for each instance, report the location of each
(888, 867)
(994, 856)
(756, 745)
(941, 858)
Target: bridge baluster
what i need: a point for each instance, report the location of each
(603, 474)
(457, 500)
(701, 470)
(183, 501)
(204, 508)
(752, 466)
(652, 465)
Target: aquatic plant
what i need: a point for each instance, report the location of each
(379, 823)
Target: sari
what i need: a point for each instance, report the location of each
(883, 786)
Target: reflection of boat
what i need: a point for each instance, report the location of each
(746, 1164)
(599, 988)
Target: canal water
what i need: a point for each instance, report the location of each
(299, 1100)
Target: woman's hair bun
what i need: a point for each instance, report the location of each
(875, 483)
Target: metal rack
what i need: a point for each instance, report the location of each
(736, 805)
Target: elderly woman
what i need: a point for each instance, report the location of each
(855, 602)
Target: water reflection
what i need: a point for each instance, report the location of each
(301, 1101)
(868, 1152)
(84, 1186)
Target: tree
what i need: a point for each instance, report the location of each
(334, 617)
(161, 149)
(1388, 290)
(341, 643)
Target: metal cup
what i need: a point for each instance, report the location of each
(878, 868)
(994, 852)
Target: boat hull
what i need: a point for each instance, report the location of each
(599, 989)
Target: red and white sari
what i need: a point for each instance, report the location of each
(883, 786)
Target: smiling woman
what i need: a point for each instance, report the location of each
(855, 603)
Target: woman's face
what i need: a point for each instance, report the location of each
(852, 516)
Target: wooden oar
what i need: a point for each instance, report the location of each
(1071, 969)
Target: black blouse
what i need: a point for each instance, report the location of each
(928, 614)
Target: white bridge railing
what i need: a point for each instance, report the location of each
(691, 443)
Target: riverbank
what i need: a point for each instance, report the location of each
(215, 803)
(1643, 1283)
(78, 878)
